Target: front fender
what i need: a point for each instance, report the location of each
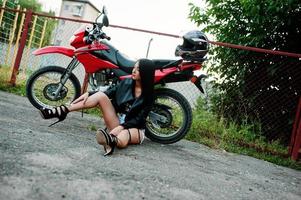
(54, 49)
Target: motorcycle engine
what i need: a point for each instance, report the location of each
(101, 80)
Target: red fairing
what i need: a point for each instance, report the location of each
(195, 66)
(54, 49)
(77, 40)
(92, 47)
(159, 75)
(93, 64)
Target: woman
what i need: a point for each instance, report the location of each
(132, 98)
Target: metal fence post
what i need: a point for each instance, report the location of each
(28, 17)
(12, 36)
(30, 43)
(18, 38)
(40, 44)
(295, 143)
(43, 33)
(2, 11)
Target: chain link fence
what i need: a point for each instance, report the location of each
(262, 89)
(61, 31)
(8, 30)
(58, 31)
(257, 88)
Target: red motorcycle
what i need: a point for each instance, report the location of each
(171, 116)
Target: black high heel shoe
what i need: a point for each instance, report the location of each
(108, 141)
(59, 112)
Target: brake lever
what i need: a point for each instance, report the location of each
(103, 35)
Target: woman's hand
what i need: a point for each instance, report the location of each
(83, 98)
(117, 130)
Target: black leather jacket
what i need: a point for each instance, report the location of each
(124, 101)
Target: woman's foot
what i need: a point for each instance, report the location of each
(59, 112)
(108, 141)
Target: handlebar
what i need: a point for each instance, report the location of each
(95, 34)
(104, 36)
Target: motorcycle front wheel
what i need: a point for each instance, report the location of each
(42, 84)
(170, 118)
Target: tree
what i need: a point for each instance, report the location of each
(30, 4)
(35, 6)
(255, 87)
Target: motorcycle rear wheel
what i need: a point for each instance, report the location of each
(42, 83)
(171, 117)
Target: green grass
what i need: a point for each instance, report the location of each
(5, 75)
(93, 111)
(207, 129)
(20, 87)
(92, 128)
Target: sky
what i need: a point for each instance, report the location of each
(167, 16)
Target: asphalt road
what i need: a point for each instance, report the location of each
(65, 162)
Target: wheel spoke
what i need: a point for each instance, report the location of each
(175, 117)
(45, 86)
(170, 118)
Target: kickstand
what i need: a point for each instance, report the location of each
(82, 112)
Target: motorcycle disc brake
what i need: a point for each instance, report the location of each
(50, 89)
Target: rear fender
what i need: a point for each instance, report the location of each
(162, 106)
(197, 80)
(54, 49)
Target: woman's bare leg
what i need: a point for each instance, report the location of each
(99, 99)
(92, 101)
(125, 138)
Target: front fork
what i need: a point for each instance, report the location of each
(72, 65)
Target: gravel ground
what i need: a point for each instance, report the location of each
(65, 162)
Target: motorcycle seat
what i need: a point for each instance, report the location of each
(127, 65)
(159, 63)
(124, 62)
(115, 56)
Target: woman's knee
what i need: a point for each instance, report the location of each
(102, 98)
